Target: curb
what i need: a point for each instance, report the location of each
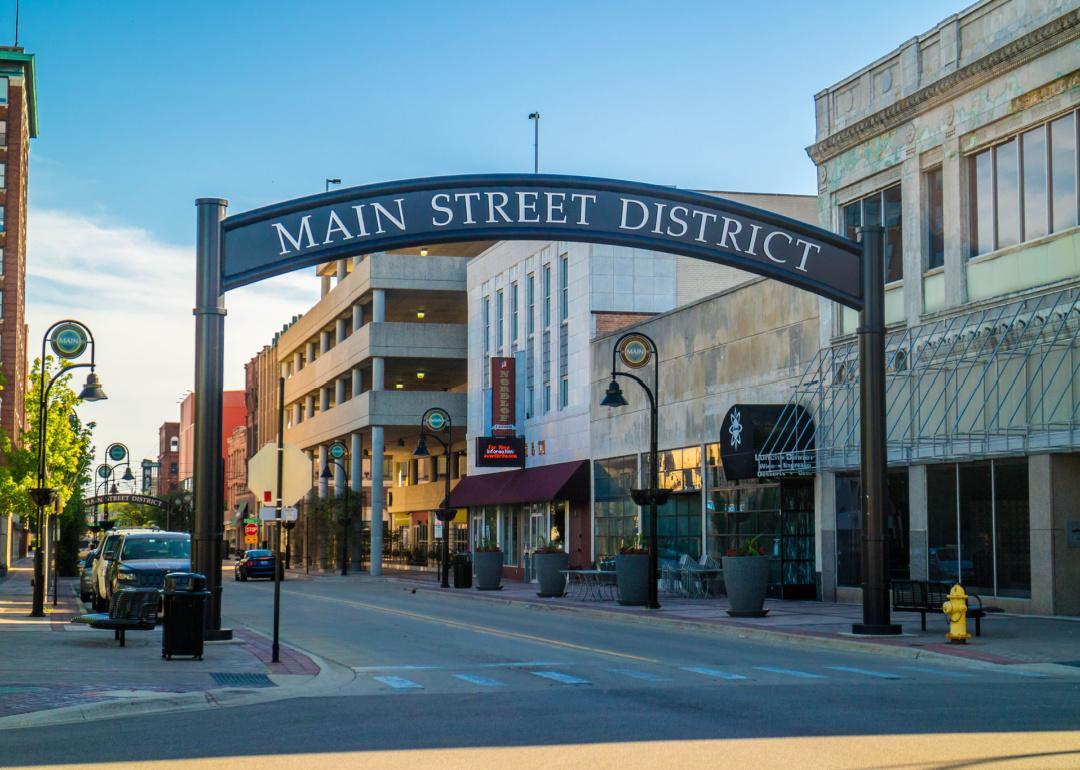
(727, 630)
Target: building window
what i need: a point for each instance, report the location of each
(174, 444)
(3, 183)
(499, 333)
(935, 219)
(616, 515)
(564, 270)
(1024, 187)
(546, 364)
(882, 209)
(2, 228)
(978, 526)
(513, 317)
(530, 344)
(547, 296)
(564, 326)
(173, 469)
(485, 314)
(849, 527)
(678, 521)
(3, 133)
(3, 90)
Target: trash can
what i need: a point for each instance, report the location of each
(184, 604)
(462, 570)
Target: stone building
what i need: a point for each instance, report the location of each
(961, 143)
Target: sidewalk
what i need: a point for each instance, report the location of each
(55, 671)
(1006, 639)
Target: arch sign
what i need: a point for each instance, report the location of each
(270, 241)
(156, 502)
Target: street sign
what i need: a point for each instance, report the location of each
(337, 450)
(117, 452)
(251, 539)
(250, 520)
(69, 341)
(436, 420)
(251, 530)
(635, 352)
(295, 473)
(104, 471)
(289, 514)
(268, 513)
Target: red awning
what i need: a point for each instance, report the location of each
(562, 481)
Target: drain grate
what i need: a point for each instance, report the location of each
(242, 680)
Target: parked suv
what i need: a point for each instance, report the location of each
(143, 559)
(106, 551)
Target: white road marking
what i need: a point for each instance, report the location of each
(790, 672)
(398, 683)
(939, 671)
(865, 672)
(560, 677)
(366, 669)
(643, 675)
(483, 681)
(714, 673)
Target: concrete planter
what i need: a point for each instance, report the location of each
(632, 578)
(488, 568)
(548, 572)
(747, 580)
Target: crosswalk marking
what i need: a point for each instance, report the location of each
(483, 681)
(560, 677)
(939, 672)
(1028, 674)
(714, 673)
(643, 675)
(866, 672)
(398, 683)
(790, 672)
(365, 669)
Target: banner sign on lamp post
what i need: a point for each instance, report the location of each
(502, 397)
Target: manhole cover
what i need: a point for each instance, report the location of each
(242, 680)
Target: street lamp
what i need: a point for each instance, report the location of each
(433, 422)
(330, 181)
(69, 340)
(535, 118)
(337, 450)
(636, 350)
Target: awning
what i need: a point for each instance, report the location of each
(241, 509)
(562, 481)
(766, 440)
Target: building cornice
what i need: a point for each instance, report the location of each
(1026, 48)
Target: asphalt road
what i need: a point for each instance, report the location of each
(423, 679)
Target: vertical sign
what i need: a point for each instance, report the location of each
(502, 396)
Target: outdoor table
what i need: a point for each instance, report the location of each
(588, 584)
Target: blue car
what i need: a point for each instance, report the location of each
(254, 564)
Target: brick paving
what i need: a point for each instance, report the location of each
(290, 661)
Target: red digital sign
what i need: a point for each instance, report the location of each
(502, 397)
(500, 452)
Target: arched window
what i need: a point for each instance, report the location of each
(174, 444)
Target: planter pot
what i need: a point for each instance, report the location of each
(488, 568)
(548, 572)
(747, 580)
(632, 578)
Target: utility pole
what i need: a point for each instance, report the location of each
(535, 118)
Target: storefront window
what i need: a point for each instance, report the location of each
(978, 526)
(849, 527)
(485, 526)
(679, 520)
(508, 534)
(616, 515)
(742, 510)
(680, 469)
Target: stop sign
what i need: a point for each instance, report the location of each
(251, 530)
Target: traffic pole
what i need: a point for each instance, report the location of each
(277, 546)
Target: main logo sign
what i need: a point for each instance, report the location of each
(116, 452)
(337, 450)
(635, 352)
(436, 420)
(69, 341)
(308, 231)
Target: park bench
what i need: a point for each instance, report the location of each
(132, 609)
(925, 596)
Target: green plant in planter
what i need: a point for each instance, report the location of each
(545, 547)
(487, 545)
(749, 547)
(633, 546)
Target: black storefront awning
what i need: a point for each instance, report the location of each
(767, 440)
(561, 481)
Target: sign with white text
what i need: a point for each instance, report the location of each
(500, 452)
(502, 397)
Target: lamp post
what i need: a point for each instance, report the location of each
(330, 181)
(337, 452)
(535, 118)
(434, 422)
(69, 340)
(636, 350)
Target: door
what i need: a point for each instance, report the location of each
(797, 539)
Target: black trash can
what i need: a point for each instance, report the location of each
(184, 604)
(462, 570)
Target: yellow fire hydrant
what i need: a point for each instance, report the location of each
(956, 610)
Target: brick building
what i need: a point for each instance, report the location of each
(168, 479)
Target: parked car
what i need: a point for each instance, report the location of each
(86, 577)
(99, 593)
(142, 559)
(255, 563)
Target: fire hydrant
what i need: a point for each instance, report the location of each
(956, 610)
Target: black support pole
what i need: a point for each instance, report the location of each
(875, 566)
(654, 485)
(209, 491)
(276, 647)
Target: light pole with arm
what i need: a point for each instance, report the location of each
(433, 422)
(635, 350)
(337, 450)
(69, 339)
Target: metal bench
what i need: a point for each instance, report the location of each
(132, 609)
(924, 596)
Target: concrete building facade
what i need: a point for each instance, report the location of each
(963, 145)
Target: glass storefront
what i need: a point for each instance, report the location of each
(849, 527)
(616, 515)
(978, 521)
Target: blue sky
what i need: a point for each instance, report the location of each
(146, 106)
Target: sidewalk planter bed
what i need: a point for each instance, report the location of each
(549, 566)
(632, 578)
(488, 568)
(747, 580)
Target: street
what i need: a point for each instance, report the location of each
(412, 671)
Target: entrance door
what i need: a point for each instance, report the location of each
(797, 539)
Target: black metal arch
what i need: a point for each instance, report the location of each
(121, 497)
(319, 228)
